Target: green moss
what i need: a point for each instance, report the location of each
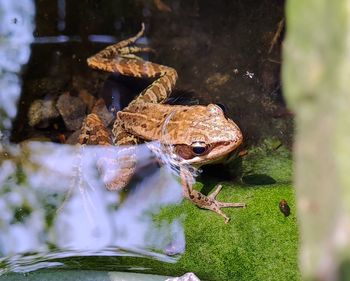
(20, 176)
(21, 213)
(259, 243)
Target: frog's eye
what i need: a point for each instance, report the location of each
(199, 148)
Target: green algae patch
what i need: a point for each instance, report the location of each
(259, 243)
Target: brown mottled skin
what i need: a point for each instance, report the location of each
(198, 135)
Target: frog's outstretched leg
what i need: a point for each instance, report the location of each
(120, 58)
(203, 201)
(112, 50)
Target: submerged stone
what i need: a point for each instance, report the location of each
(72, 110)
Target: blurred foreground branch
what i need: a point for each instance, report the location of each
(315, 74)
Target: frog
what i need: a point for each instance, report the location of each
(195, 135)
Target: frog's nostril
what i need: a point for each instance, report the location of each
(223, 108)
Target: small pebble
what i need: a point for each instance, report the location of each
(101, 110)
(41, 112)
(186, 277)
(87, 98)
(73, 138)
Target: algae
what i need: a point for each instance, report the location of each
(259, 243)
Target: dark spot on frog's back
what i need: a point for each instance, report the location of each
(144, 126)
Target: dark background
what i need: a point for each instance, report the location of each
(219, 48)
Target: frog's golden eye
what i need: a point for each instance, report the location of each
(199, 148)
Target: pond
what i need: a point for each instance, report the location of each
(58, 218)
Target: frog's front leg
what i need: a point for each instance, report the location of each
(202, 201)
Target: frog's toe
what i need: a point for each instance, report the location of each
(232, 205)
(215, 193)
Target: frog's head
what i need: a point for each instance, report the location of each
(206, 135)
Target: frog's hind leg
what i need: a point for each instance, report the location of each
(121, 58)
(117, 171)
(126, 42)
(217, 190)
(93, 132)
(116, 165)
(130, 51)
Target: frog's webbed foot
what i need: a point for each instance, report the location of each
(206, 202)
(114, 54)
(123, 46)
(129, 51)
(116, 172)
(209, 202)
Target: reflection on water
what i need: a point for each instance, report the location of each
(52, 202)
(16, 30)
(53, 208)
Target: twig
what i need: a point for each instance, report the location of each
(278, 32)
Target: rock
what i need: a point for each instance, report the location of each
(178, 242)
(174, 248)
(101, 110)
(72, 110)
(38, 88)
(87, 98)
(41, 112)
(37, 138)
(93, 82)
(73, 138)
(186, 277)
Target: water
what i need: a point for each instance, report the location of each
(55, 209)
(53, 203)
(53, 206)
